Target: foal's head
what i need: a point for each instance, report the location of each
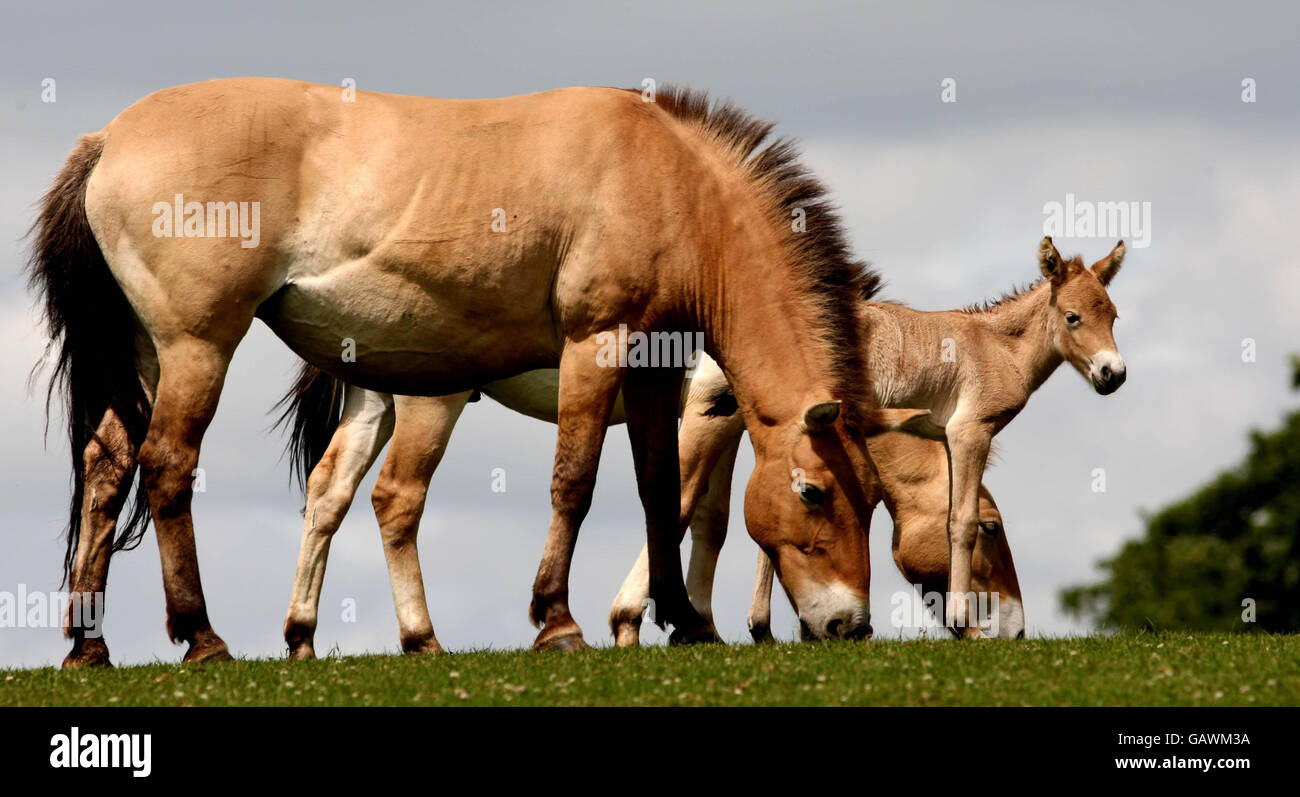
(1081, 314)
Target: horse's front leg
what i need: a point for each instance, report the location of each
(419, 440)
(366, 424)
(968, 452)
(650, 397)
(586, 396)
(707, 447)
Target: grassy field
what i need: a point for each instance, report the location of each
(1146, 670)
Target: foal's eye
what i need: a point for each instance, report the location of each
(812, 495)
(990, 527)
(1071, 318)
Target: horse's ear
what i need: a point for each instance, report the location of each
(1049, 260)
(1106, 268)
(918, 423)
(821, 416)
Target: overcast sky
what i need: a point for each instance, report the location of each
(1122, 102)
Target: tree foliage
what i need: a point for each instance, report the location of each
(1201, 559)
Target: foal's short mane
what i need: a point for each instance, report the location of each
(1015, 293)
(819, 257)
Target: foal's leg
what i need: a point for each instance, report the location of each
(650, 398)
(423, 427)
(109, 463)
(708, 455)
(192, 372)
(968, 452)
(587, 393)
(365, 425)
(760, 606)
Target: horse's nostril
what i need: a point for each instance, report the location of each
(833, 627)
(1105, 372)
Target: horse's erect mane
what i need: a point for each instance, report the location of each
(819, 257)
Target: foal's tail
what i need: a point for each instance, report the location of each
(310, 412)
(92, 330)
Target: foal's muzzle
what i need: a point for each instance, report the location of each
(1107, 372)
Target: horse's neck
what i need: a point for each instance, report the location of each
(776, 362)
(1022, 328)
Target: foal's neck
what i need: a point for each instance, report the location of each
(1022, 326)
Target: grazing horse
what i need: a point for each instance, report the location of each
(337, 445)
(426, 246)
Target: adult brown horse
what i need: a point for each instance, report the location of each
(427, 246)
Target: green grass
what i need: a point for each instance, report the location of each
(1173, 669)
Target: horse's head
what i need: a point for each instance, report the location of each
(808, 505)
(992, 570)
(1082, 315)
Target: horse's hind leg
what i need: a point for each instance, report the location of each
(365, 425)
(191, 374)
(587, 393)
(709, 532)
(423, 428)
(109, 463)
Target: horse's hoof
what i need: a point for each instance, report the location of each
(87, 654)
(301, 652)
(207, 651)
(761, 634)
(425, 646)
(700, 636)
(570, 641)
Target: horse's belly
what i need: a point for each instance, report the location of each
(381, 332)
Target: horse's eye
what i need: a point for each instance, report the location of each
(812, 495)
(1072, 318)
(990, 527)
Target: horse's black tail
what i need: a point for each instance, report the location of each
(92, 329)
(310, 411)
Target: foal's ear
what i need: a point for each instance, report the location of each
(1050, 262)
(820, 417)
(1106, 268)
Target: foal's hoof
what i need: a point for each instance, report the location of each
(761, 634)
(567, 641)
(87, 653)
(700, 636)
(628, 635)
(214, 650)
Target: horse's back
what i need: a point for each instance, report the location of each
(430, 232)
